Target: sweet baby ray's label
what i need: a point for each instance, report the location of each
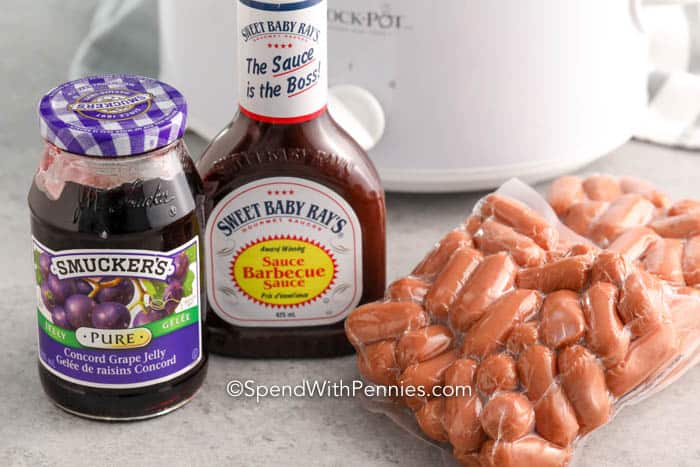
(283, 252)
(282, 59)
(118, 318)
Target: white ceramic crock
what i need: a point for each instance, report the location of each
(454, 95)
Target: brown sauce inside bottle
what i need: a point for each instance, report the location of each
(320, 151)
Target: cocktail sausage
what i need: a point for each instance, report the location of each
(530, 451)
(496, 373)
(378, 321)
(634, 243)
(537, 369)
(522, 336)
(495, 237)
(426, 375)
(665, 260)
(377, 363)
(609, 267)
(494, 276)
(521, 218)
(430, 419)
(564, 193)
(408, 289)
(631, 210)
(508, 416)
(438, 258)
(473, 224)
(642, 306)
(583, 249)
(684, 206)
(462, 412)
(682, 226)
(562, 322)
(602, 188)
(581, 216)
(467, 458)
(647, 354)
(646, 189)
(491, 331)
(691, 261)
(450, 281)
(422, 344)
(555, 419)
(568, 273)
(606, 336)
(583, 380)
(461, 373)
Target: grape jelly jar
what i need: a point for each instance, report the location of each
(116, 213)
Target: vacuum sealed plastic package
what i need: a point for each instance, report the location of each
(551, 331)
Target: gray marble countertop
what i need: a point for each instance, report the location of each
(214, 429)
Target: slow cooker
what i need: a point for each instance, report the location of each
(455, 95)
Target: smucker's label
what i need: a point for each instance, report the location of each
(282, 60)
(112, 104)
(118, 318)
(283, 252)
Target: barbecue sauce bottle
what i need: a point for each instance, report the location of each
(295, 237)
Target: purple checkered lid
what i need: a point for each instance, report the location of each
(113, 115)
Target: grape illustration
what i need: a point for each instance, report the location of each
(79, 310)
(181, 263)
(47, 296)
(111, 315)
(83, 287)
(172, 297)
(146, 317)
(44, 264)
(122, 292)
(61, 289)
(60, 319)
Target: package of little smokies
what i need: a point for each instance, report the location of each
(552, 329)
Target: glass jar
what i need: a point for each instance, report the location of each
(116, 216)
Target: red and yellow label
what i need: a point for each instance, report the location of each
(284, 272)
(283, 252)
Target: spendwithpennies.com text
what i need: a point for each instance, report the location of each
(251, 389)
